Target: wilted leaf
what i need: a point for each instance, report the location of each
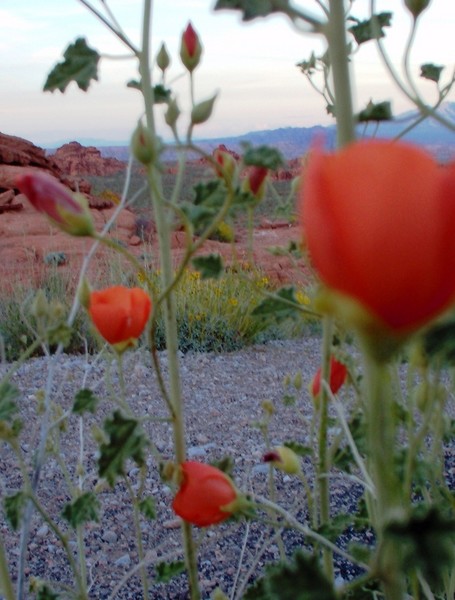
(80, 65)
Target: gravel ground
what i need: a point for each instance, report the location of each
(223, 395)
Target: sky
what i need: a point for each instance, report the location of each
(251, 66)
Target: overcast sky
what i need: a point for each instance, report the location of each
(251, 66)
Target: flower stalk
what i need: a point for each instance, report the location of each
(169, 309)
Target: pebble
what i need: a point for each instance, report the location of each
(123, 561)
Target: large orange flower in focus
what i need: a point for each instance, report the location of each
(379, 223)
(120, 314)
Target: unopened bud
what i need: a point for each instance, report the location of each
(83, 293)
(162, 58)
(40, 306)
(226, 165)
(284, 459)
(201, 112)
(255, 182)
(172, 113)
(190, 48)
(143, 145)
(416, 7)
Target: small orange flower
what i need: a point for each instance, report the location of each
(379, 222)
(206, 495)
(338, 374)
(120, 314)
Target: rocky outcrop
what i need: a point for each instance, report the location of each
(75, 159)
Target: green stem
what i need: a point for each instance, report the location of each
(387, 505)
(6, 586)
(339, 60)
(169, 308)
(323, 465)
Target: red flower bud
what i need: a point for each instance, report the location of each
(255, 182)
(338, 374)
(226, 165)
(379, 222)
(190, 48)
(120, 314)
(206, 495)
(66, 210)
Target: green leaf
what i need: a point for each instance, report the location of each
(125, 441)
(147, 507)
(439, 341)
(299, 449)
(308, 66)
(278, 308)
(85, 400)
(45, 593)
(371, 29)
(166, 571)
(381, 111)
(210, 266)
(225, 464)
(8, 394)
(14, 505)
(263, 156)
(302, 579)
(161, 95)
(427, 540)
(252, 8)
(82, 510)
(430, 71)
(80, 65)
(209, 197)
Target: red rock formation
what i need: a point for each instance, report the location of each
(75, 159)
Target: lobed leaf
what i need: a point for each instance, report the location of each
(263, 156)
(85, 400)
(252, 8)
(14, 505)
(8, 394)
(371, 29)
(431, 71)
(82, 510)
(302, 579)
(210, 266)
(166, 571)
(125, 441)
(80, 65)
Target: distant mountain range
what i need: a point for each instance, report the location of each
(295, 141)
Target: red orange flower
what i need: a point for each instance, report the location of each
(120, 314)
(206, 495)
(338, 375)
(379, 223)
(65, 209)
